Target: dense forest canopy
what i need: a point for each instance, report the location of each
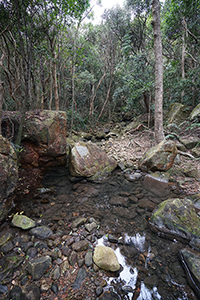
(51, 58)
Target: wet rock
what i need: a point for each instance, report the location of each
(190, 260)
(8, 176)
(80, 246)
(151, 281)
(117, 200)
(127, 289)
(15, 293)
(78, 222)
(99, 290)
(88, 259)
(38, 266)
(41, 232)
(79, 278)
(22, 222)
(88, 160)
(105, 258)
(133, 199)
(159, 158)
(54, 287)
(109, 295)
(145, 203)
(31, 292)
(176, 218)
(157, 183)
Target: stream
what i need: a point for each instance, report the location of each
(150, 265)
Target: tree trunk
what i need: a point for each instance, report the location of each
(183, 57)
(55, 82)
(159, 134)
(1, 101)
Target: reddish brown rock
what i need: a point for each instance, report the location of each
(44, 139)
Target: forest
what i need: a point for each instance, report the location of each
(52, 56)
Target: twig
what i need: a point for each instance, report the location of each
(186, 154)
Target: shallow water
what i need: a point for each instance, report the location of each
(151, 267)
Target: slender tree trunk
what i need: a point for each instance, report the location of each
(159, 133)
(55, 82)
(183, 57)
(1, 102)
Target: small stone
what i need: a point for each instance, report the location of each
(81, 262)
(78, 222)
(56, 273)
(127, 289)
(15, 293)
(88, 259)
(99, 290)
(73, 258)
(89, 227)
(7, 247)
(44, 287)
(66, 251)
(54, 288)
(64, 266)
(80, 246)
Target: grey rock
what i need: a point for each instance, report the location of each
(41, 232)
(31, 292)
(38, 266)
(88, 259)
(89, 227)
(78, 222)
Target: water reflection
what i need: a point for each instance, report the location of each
(128, 276)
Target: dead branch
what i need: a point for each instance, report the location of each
(186, 154)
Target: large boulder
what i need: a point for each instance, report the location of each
(191, 263)
(176, 219)
(177, 114)
(105, 258)
(159, 158)
(8, 175)
(44, 139)
(90, 161)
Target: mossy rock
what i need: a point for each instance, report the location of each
(177, 114)
(176, 218)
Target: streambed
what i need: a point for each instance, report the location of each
(151, 267)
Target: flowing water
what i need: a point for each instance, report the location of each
(151, 267)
